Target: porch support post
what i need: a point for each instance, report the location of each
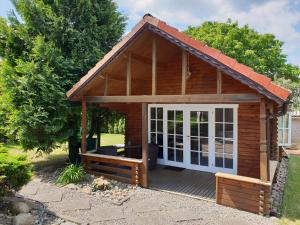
(263, 142)
(154, 66)
(219, 82)
(183, 72)
(83, 125)
(128, 75)
(145, 143)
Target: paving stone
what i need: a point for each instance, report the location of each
(99, 214)
(179, 215)
(148, 218)
(147, 205)
(29, 189)
(51, 196)
(71, 205)
(235, 221)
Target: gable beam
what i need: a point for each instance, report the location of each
(128, 75)
(183, 72)
(153, 66)
(219, 82)
(195, 98)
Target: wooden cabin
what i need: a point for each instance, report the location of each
(206, 112)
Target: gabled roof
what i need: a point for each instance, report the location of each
(230, 66)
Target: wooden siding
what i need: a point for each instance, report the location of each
(243, 193)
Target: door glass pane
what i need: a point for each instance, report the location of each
(228, 130)
(219, 130)
(204, 158)
(153, 137)
(160, 152)
(228, 147)
(153, 113)
(179, 155)
(219, 115)
(219, 145)
(159, 126)
(229, 115)
(219, 160)
(194, 129)
(228, 161)
(171, 154)
(204, 130)
(195, 158)
(160, 113)
(179, 116)
(194, 117)
(160, 139)
(194, 144)
(204, 144)
(153, 125)
(204, 116)
(179, 141)
(171, 127)
(179, 127)
(170, 140)
(170, 115)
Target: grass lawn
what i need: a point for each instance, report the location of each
(59, 155)
(291, 199)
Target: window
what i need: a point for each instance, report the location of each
(156, 128)
(284, 130)
(224, 138)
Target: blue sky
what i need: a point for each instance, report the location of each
(279, 17)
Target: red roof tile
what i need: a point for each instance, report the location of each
(261, 80)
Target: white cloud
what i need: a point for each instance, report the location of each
(278, 17)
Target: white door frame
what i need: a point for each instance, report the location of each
(186, 108)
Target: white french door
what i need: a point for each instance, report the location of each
(195, 136)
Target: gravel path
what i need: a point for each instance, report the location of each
(143, 207)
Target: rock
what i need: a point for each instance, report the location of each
(86, 190)
(24, 219)
(101, 184)
(71, 186)
(20, 207)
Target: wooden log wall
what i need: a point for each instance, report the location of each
(244, 193)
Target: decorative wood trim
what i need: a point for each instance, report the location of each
(219, 82)
(154, 66)
(183, 72)
(128, 75)
(263, 142)
(106, 85)
(242, 179)
(145, 143)
(83, 125)
(197, 98)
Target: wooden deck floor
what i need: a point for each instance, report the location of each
(192, 183)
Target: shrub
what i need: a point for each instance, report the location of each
(71, 174)
(14, 172)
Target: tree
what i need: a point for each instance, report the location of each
(43, 55)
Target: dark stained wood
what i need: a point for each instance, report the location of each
(243, 193)
(145, 143)
(128, 75)
(114, 167)
(219, 82)
(196, 98)
(83, 125)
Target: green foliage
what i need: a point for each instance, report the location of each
(14, 172)
(294, 87)
(71, 174)
(262, 52)
(42, 57)
(291, 206)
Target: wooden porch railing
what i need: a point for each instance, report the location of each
(119, 168)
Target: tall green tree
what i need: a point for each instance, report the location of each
(262, 52)
(43, 55)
